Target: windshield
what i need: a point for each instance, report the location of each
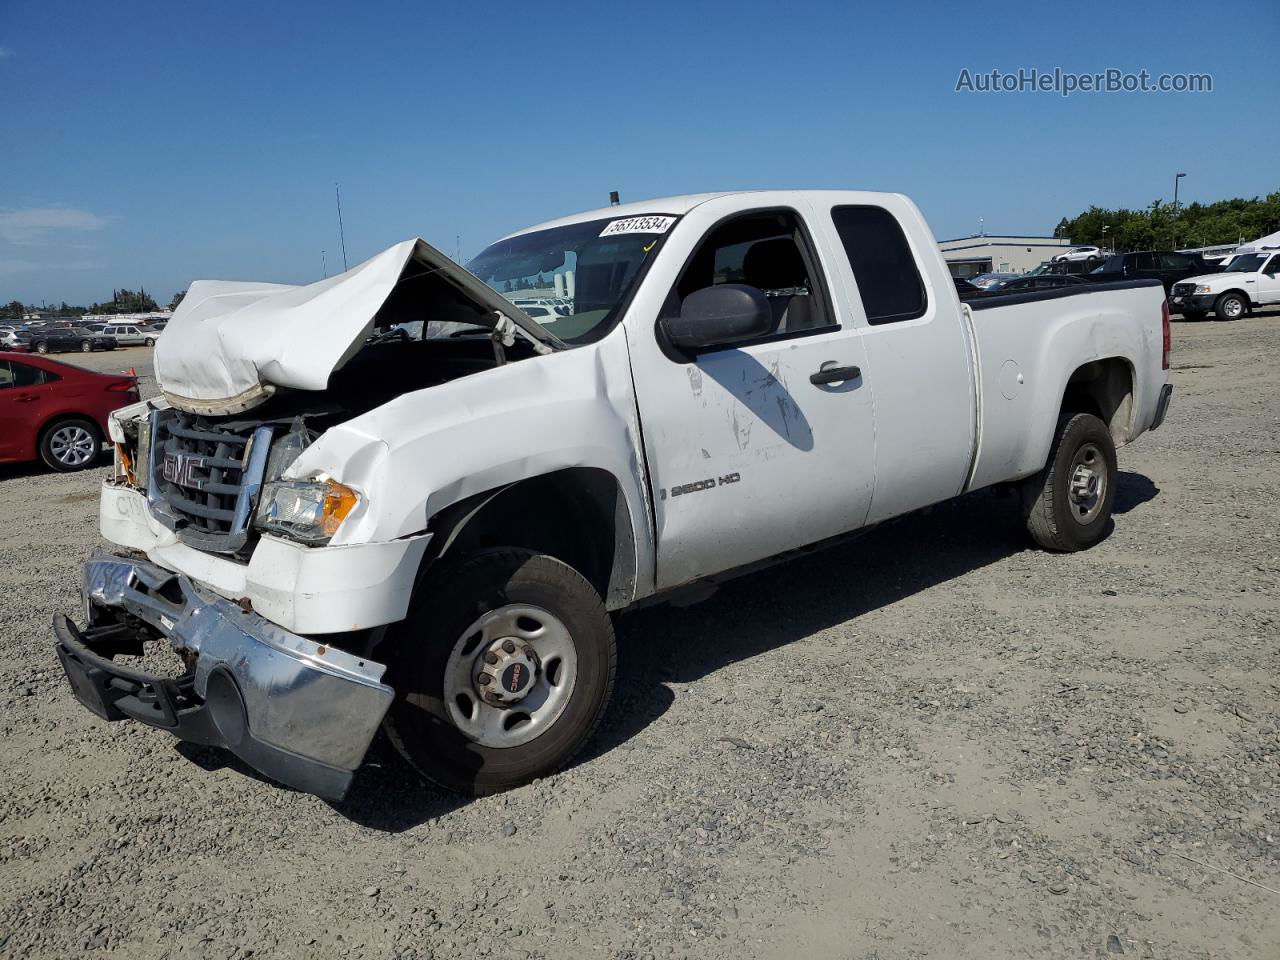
(1245, 263)
(573, 279)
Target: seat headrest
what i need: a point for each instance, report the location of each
(774, 264)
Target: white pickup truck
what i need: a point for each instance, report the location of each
(393, 497)
(1250, 279)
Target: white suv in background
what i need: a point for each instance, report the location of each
(1248, 280)
(1078, 253)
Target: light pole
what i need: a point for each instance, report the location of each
(1105, 228)
(1173, 229)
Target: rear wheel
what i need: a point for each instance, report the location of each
(1230, 306)
(1068, 503)
(150, 341)
(503, 670)
(86, 346)
(71, 444)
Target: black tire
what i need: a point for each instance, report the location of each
(1231, 306)
(443, 609)
(40, 346)
(54, 455)
(150, 341)
(86, 346)
(1056, 518)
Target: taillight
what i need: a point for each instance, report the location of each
(128, 386)
(1168, 335)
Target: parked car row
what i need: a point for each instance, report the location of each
(59, 337)
(1087, 264)
(1167, 266)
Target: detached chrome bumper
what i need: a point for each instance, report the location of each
(301, 712)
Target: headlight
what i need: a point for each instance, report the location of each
(309, 511)
(1201, 288)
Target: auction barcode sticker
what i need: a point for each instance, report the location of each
(638, 225)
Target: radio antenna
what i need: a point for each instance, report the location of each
(341, 235)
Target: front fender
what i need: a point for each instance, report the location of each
(428, 450)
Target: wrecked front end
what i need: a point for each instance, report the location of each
(269, 696)
(269, 578)
(230, 566)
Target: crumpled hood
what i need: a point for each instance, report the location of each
(230, 344)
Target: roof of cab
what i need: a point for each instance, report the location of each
(679, 206)
(675, 206)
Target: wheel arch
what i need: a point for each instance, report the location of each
(1104, 388)
(1243, 294)
(578, 515)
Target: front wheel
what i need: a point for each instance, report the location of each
(502, 669)
(150, 341)
(42, 347)
(1230, 306)
(1068, 503)
(86, 346)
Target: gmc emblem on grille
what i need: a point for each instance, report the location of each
(180, 468)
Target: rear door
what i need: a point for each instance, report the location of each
(896, 291)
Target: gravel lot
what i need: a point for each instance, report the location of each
(934, 741)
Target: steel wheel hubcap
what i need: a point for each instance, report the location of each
(510, 675)
(72, 446)
(1088, 482)
(1232, 308)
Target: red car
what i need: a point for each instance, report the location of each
(55, 412)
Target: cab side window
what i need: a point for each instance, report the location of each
(885, 270)
(767, 250)
(6, 375)
(1273, 267)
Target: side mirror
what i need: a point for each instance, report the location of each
(720, 315)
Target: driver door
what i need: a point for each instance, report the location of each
(1269, 281)
(747, 456)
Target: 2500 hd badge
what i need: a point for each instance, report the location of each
(709, 484)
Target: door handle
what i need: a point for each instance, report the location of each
(26, 399)
(835, 375)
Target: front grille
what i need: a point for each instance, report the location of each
(1183, 289)
(205, 478)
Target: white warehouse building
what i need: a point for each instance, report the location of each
(970, 256)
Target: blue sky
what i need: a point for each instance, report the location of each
(156, 143)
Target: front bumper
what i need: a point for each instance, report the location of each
(1191, 303)
(302, 713)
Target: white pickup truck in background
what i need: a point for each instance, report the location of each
(1250, 279)
(394, 497)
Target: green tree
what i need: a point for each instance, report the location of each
(1160, 226)
(177, 299)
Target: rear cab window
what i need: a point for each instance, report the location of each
(884, 268)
